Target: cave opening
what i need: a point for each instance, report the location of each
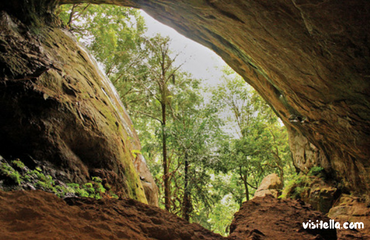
(309, 61)
(242, 139)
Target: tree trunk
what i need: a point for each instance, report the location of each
(246, 187)
(244, 179)
(186, 202)
(165, 162)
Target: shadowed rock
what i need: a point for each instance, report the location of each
(59, 111)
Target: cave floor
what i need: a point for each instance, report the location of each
(41, 215)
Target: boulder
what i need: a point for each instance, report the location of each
(270, 185)
(353, 210)
(58, 110)
(314, 190)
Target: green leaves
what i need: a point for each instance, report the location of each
(257, 143)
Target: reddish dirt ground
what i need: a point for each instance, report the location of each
(41, 215)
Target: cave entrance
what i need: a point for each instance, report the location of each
(207, 136)
(309, 61)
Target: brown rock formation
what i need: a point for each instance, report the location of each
(317, 191)
(270, 185)
(271, 218)
(308, 59)
(57, 110)
(352, 210)
(39, 215)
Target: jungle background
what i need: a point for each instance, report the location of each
(207, 146)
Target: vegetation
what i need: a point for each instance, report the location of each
(315, 171)
(17, 176)
(258, 144)
(207, 154)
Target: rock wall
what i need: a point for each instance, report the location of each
(308, 59)
(57, 108)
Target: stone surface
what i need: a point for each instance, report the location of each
(57, 109)
(39, 216)
(355, 210)
(271, 218)
(150, 188)
(270, 185)
(314, 190)
(309, 59)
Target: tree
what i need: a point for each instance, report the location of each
(258, 144)
(193, 134)
(113, 34)
(158, 83)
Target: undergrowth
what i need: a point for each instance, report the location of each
(17, 176)
(301, 183)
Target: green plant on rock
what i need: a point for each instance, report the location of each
(27, 178)
(113, 195)
(135, 152)
(314, 171)
(6, 168)
(100, 188)
(78, 190)
(40, 180)
(90, 189)
(97, 179)
(10, 172)
(41, 176)
(41, 185)
(16, 177)
(18, 163)
(296, 187)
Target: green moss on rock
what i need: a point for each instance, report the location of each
(70, 124)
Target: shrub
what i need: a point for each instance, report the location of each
(314, 171)
(18, 163)
(39, 180)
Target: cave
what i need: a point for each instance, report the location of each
(310, 60)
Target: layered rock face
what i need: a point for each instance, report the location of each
(59, 111)
(308, 59)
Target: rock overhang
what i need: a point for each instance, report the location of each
(308, 59)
